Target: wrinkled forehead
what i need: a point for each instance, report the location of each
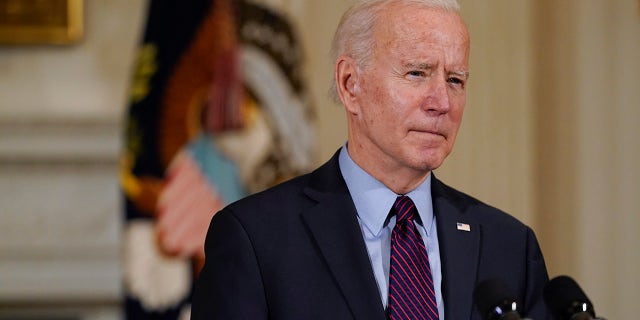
(413, 22)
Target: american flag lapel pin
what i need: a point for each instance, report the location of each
(463, 226)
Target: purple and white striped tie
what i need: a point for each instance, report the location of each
(411, 294)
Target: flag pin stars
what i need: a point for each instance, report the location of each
(463, 226)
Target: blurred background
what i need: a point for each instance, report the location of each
(550, 135)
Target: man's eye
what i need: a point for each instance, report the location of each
(416, 73)
(456, 81)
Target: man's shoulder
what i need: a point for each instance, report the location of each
(293, 193)
(284, 193)
(474, 208)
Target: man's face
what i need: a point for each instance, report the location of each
(410, 97)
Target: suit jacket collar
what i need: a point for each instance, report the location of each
(459, 239)
(334, 225)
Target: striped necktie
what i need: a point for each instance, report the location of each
(411, 294)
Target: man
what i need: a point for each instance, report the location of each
(344, 242)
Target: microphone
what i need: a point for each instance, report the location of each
(494, 301)
(567, 301)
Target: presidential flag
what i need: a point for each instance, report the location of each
(218, 110)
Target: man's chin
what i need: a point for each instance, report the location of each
(430, 160)
(426, 166)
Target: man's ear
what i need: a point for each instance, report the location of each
(347, 86)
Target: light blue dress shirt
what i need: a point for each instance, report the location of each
(373, 202)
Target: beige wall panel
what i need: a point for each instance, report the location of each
(588, 147)
(556, 137)
(84, 80)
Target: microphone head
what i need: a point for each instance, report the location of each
(565, 298)
(494, 300)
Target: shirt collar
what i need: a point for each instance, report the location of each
(373, 200)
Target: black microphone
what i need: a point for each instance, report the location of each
(567, 301)
(494, 301)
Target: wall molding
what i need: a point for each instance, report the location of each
(60, 210)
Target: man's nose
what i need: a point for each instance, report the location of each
(438, 97)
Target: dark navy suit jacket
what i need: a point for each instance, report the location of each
(296, 251)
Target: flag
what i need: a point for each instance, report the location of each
(218, 110)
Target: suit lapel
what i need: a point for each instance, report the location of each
(333, 224)
(459, 251)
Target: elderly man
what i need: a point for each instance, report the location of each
(372, 234)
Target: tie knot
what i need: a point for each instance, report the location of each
(404, 208)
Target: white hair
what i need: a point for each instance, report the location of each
(354, 36)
